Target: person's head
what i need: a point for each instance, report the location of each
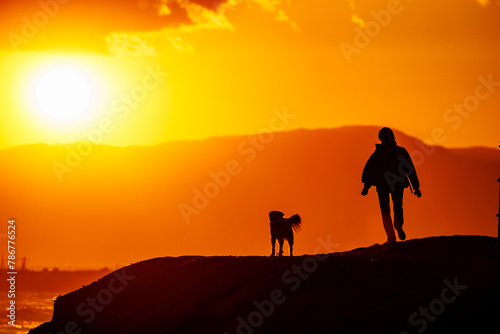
(386, 136)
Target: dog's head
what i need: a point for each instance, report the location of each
(276, 215)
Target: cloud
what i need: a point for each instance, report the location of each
(121, 26)
(201, 15)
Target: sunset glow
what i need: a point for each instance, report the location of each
(114, 116)
(162, 160)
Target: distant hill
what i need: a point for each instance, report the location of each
(117, 205)
(433, 285)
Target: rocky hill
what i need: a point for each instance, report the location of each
(431, 285)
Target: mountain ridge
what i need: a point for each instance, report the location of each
(233, 136)
(316, 173)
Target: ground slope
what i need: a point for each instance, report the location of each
(444, 284)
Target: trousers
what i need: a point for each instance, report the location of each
(385, 209)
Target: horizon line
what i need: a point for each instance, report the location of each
(235, 136)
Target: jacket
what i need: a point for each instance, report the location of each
(389, 168)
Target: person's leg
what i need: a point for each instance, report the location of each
(385, 209)
(397, 205)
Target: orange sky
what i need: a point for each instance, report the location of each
(152, 72)
(227, 65)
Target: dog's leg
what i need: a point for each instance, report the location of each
(281, 241)
(273, 242)
(290, 243)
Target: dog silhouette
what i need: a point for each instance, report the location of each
(283, 228)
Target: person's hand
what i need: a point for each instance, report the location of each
(418, 193)
(364, 192)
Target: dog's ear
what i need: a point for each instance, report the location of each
(273, 215)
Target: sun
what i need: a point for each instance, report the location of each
(63, 94)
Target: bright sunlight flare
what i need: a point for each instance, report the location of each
(63, 94)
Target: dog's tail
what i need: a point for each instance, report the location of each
(295, 221)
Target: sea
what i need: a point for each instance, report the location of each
(35, 293)
(32, 309)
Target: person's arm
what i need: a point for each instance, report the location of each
(364, 192)
(368, 175)
(412, 175)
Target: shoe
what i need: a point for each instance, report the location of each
(401, 234)
(389, 242)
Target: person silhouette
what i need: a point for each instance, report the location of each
(390, 169)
